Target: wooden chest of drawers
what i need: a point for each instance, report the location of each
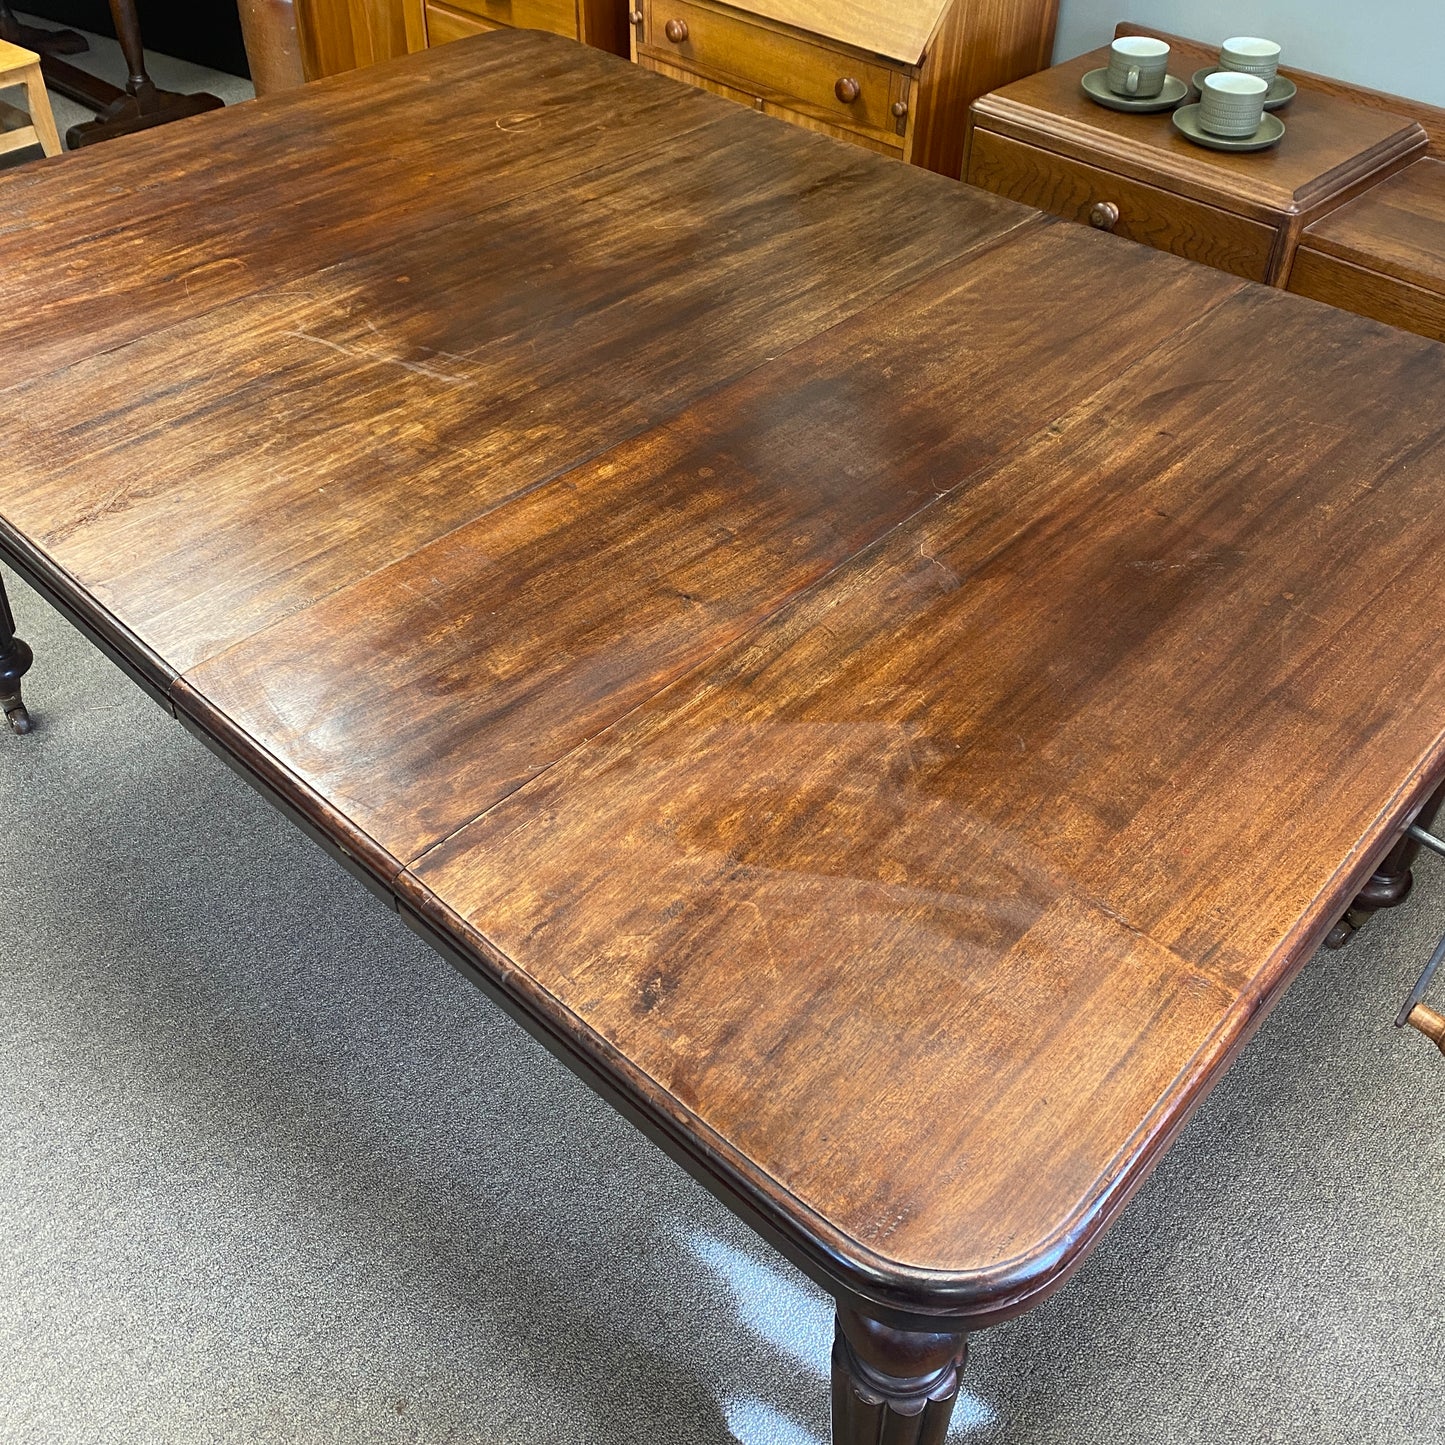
(1042, 141)
(602, 23)
(896, 78)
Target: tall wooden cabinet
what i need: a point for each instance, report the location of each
(602, 23)
(896, 76)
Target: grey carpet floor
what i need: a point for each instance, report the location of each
(271, 1172)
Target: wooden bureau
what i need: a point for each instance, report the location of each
(1042, 141)
(897, 78)
(602, 23)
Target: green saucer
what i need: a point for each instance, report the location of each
(1186, 122)
(1281, 89)
(1096, 87)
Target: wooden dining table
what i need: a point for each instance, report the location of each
(890, 687)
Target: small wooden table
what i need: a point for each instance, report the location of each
(1043, 141)
(892, 706)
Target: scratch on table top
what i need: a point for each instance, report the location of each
(361, 354)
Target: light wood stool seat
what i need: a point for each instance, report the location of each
(17, 128)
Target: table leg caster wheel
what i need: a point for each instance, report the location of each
(1431, 1024)
(18, 718)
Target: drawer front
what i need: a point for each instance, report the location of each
(794, 71)
(444, 24)
(558, 16)
(1143, 213)
(1368, 293)
(884, 145)
(703, 82)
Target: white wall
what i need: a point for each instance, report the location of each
(1394, 45)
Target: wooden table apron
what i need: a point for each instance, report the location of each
(862, 671)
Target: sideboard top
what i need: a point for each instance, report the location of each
(899, 29)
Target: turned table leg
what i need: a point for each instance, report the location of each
(1390, 884)
(15, 660)
(890, 1386)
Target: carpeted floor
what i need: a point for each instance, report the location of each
(271, 1172)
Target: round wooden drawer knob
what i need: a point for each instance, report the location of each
(1104, 215)
(676, 31)
(847, 90)
(899, 109)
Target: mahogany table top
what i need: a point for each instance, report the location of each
(892, 686)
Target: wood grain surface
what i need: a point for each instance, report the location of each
(571, 605)
(899, 29)
(341, 35)
(1368, 292)
(927, 899)
(378, 403)
(310, 179)
(1147, 214)
(978, 46)
(909, 98)
(443, 24)
(873, 676)
(793, 70)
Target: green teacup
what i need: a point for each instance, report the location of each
(1231, 104)
(1250, 55)
(1137, 66)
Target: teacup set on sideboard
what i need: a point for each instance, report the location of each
(1237, 96)
(1348, 207)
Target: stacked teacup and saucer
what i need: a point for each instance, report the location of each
(1236, 98)
(1136, 78)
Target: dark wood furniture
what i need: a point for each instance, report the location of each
(896, 78)
(273, 45)
(1042, 141)
(141, 105)
(39, 38)
(890, 716)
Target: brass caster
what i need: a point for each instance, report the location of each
(1431, 1024)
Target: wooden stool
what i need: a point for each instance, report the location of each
(17, 129)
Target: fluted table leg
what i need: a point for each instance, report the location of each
(890, 1386)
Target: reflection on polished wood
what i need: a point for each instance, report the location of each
(891, 717)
